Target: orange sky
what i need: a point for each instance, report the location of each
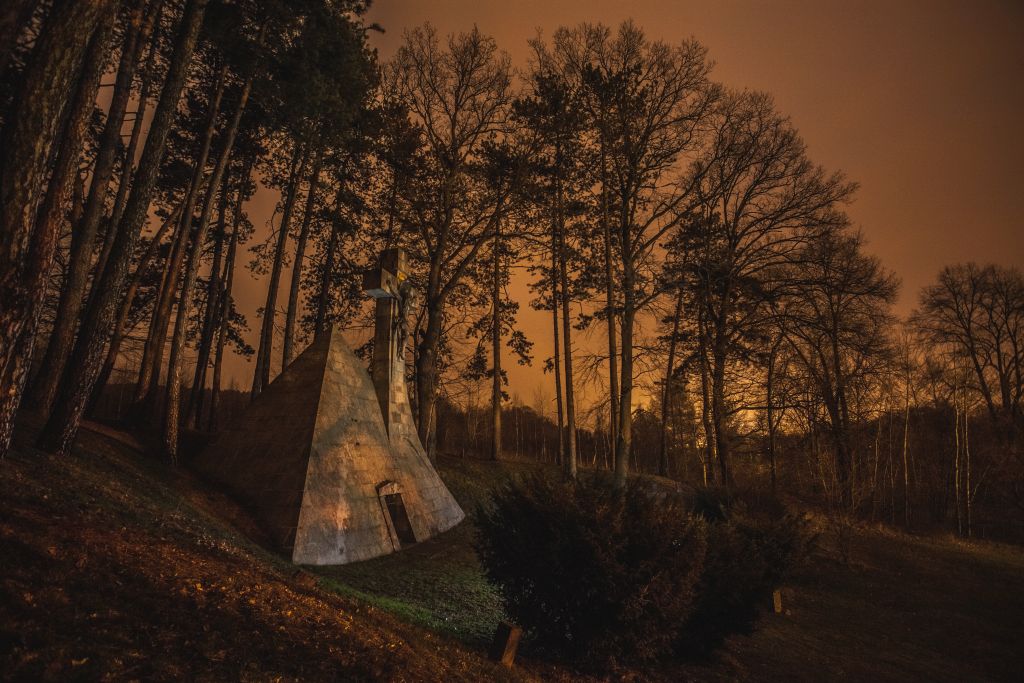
(921, 102)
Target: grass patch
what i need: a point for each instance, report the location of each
(438, 583)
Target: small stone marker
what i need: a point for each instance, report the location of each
(506, 642)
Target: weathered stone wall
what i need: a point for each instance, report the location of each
(311, 457)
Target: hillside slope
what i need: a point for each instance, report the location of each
(116, 568)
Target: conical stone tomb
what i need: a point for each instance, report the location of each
(327, 459)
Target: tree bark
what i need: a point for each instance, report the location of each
(84, 363)
(172, 421)
(705, 393)
(609, 291)
(426, 373)
(28, 239)
(36, 269)
(225, 310)
(261, 377)
(323, 300)
(146, 388)
(623, 446)
(210, 314)
(570, 403)
(555, 297)
(125, 310)
(666, 391)
(72, 294)
(128, 161)
(718, 407)
(496, 348)
(300, 255)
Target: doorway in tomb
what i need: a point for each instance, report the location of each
(395, 506)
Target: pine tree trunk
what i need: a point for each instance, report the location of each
(496, 347)
(261, 376)
(172, 412)
(300, 255)
(29, 233)
(147, 386)
(556, 340)
(72, 294)
(225, 308)
(124, 311)
(128, 159)
(36, 268)
(195, 399)
(570, 402)
(84, 364)
(324, 298)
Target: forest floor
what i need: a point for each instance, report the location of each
(115, 567)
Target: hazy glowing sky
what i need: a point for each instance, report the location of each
(920, 102)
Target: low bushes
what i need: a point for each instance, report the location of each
(593, 573)
(598, 574)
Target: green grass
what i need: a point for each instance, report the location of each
(437, 583)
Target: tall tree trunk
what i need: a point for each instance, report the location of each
(769, 408)
(85, 361)
(705, 394)
(570, 402)
(666, 390)
(225, 309)
(261, 377)
(555, 298)
(324, 298)
(609, 291)
(128, 158)
(496, 347)
(172, 412)
(29, 233)
(906, 459)
(426, 372)
(125, 309)
(195, 399)
(718, 407)
(623, 446)
(300, 255)
(146, 388)
(72, 294)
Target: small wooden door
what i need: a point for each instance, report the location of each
(400, 518)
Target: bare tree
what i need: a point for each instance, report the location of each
(762, 201)
(837, 324)
(978, 313)
(458, 94)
